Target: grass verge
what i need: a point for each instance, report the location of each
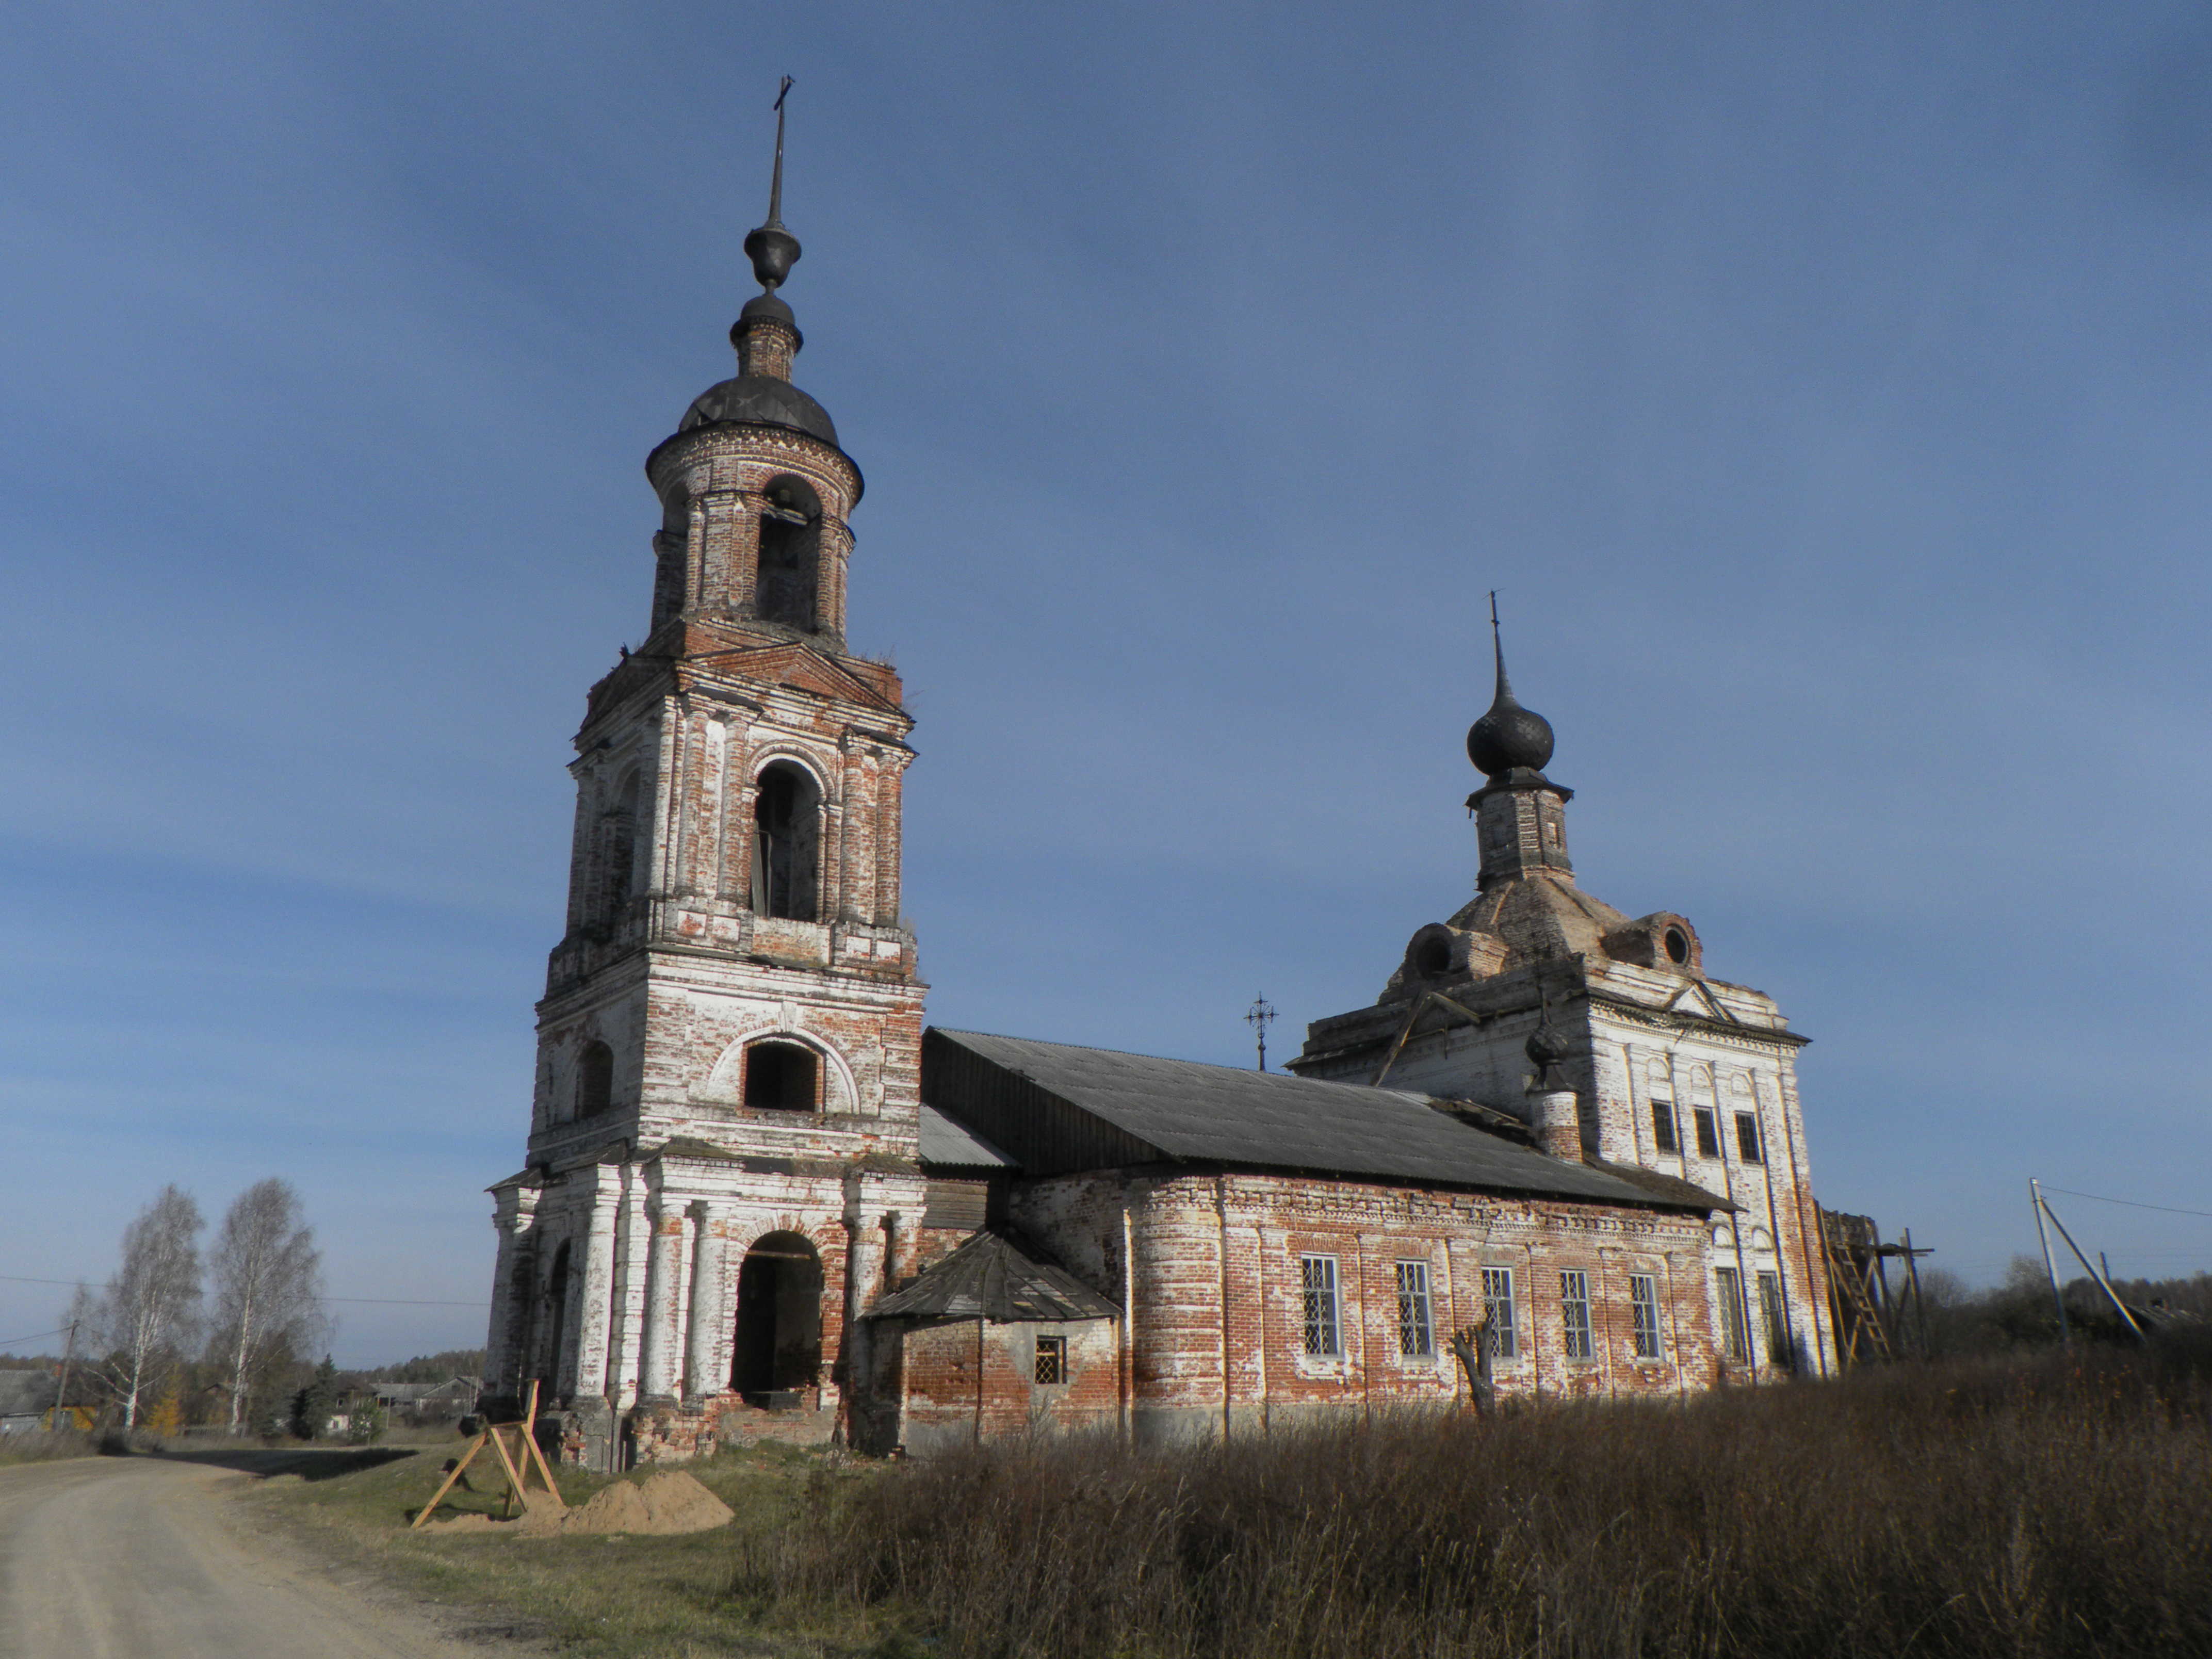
(605, 1598)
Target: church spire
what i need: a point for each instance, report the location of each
(767, 334)
(1520, 821)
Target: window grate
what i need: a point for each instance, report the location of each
(1051, 1360)
(1497, 1302)
(1643, 1303)
(1728, 1292)
(1575, 1314)
(1317, 1273)
(1777, 1319)
(1416, 1328)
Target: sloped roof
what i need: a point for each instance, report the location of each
(946, 1145)
(22, 1392)
(1056, 1108)
(988, 1277)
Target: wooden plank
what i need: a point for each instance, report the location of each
(460, 1467)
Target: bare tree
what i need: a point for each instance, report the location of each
(268, 1286)
(151, 1305)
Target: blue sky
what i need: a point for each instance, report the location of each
(1825, 389)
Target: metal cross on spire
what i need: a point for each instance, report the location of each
(1259, 1016)
(776, 183)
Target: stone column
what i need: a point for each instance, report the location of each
(705, 1370)
(593, 1327)
(633, 1242)
(514, 1211)
(664, 1274)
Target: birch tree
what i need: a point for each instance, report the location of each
(152, 1304)
(268, 1287)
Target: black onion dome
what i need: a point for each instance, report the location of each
(1507, 736)
(1548, 1046)
(761, 400)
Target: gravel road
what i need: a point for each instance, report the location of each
(146, 1558)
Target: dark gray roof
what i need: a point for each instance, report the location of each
(946, 1145)
(1057, 1109)
(988, 1277)
(23, 1392)
(760, 400)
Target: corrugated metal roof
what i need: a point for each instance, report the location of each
(1057, 1109)
(988, 1277)
(945, 1144)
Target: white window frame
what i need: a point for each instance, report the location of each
(1320, 1289)
(1645, 1342)
(1417, 1323)
(1577, 1328)
(1505, 1334)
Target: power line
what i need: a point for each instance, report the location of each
(10, 1341)
(379, 1301)
(2132, 1203)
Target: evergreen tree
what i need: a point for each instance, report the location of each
(312, 1406)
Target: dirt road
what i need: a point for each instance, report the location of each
(146, 1558)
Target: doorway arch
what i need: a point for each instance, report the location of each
(778, 1350)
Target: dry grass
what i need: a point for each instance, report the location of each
(45, 1446)
(2058, 1506)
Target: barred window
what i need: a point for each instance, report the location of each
(1728, 1292)
(1643, 1303)
(1663, 1127)
(1051, 1359)
(1324, 1340)
(1575, 1314)
(1497, 1302)
(1416, 1330)
(1747, 1136)
(1777, 1319)
(1709, 1131)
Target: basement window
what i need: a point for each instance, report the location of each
(1643, 1305)
(1727, 1290)
(1498, 1303)
(1747, 1136)
(1051, 1361)
(1416, 1325)
(1324, 1338)
(781, 1077)
(1575, 1314)
(1709, 1131)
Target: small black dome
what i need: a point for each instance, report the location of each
(761, 400)
(1548, 1045)
(1510, 736)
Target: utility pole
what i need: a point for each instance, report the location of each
(2050, 1267)
(1258, 1016)
(61, 1394)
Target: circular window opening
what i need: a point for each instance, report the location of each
(1432, 957)
(1678, 946)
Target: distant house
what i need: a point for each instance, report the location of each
(453, 1397)
(25, 1397)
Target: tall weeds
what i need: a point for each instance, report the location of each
(2055, 1507)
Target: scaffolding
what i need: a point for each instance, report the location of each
(1872, 1323)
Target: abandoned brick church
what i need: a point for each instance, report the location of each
(762, 1200)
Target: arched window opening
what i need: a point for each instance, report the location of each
(1432, 957)
(786, 830)
(777, 1355)
(619, 873)
(595, 1079)
(782, 1077)
(790, 553)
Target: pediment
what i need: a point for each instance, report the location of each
(1695, 999)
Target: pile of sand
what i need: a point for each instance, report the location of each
(665, 1502)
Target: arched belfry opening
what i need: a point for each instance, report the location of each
(782, 1077)
(778, 1351)
(786, 837)
(595, 1079)
(619, 871)
(790, 553)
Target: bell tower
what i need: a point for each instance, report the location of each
(724, 1130)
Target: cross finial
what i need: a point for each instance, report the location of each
(1498, 649)
(776, 183)
(1259, 1016)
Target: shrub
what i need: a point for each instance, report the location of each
(2055, 1507)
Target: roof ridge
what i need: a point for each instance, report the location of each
(1172, 1059)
